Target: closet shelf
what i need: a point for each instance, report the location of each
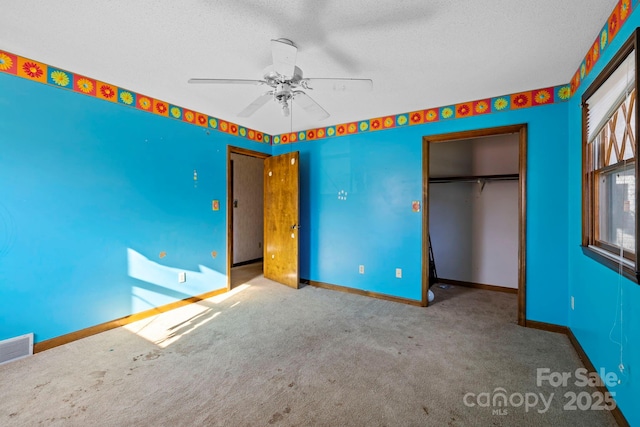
(474, 178)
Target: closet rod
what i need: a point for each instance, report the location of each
(475, 178)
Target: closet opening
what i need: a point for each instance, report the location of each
(474, 219)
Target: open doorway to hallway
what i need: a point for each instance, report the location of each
(245, 215)
(273, 198)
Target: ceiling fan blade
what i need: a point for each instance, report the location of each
(256, 104)
(284, 54)
(339, 85)
(227, 81)
(309, 105)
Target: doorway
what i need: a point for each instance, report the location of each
(278, 244)
(245, 213)
(478, 245)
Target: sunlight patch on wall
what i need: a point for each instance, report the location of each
(161, 284)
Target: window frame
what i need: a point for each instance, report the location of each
(600, 251)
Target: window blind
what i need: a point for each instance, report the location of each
(608, 98)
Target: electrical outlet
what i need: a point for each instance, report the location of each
(399, 273)
(182, 277)
(361, 269)
(573, 303)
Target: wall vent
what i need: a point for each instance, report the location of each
(16, 348)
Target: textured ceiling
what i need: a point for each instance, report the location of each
(419, 53)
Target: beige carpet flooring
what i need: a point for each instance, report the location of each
(265, 354)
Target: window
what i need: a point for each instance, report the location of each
(610, 168)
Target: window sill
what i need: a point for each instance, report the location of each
(614, 262)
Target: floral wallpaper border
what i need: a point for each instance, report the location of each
(498, 104)
(37, 71)
(616, 20)
(43, 73)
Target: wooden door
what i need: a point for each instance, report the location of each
(281, 216)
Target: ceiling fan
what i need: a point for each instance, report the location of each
(285, 80)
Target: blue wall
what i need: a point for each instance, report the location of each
(375, 226)
(91, 193)
(600, 293)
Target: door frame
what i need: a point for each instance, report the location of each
(520, 129)
(245, 152)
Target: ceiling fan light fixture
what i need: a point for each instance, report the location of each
(284, 77)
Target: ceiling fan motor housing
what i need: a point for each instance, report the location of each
(273, 78)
